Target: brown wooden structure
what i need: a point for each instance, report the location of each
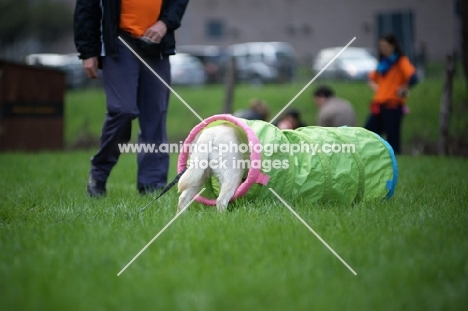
(31, 108)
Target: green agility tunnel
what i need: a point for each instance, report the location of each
(340, 164)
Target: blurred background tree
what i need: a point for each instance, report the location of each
(464, 36)
(30, 26)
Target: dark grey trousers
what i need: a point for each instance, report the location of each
(132, 90)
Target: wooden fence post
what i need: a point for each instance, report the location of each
(446, 105)
(230, 81)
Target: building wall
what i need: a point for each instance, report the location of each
(310, 25)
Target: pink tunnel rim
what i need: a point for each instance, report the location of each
(253, 174)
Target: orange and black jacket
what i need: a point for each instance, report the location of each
(400, 73)
(96, 26)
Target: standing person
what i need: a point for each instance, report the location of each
(132, 90)
(333, 111)
(390, 83)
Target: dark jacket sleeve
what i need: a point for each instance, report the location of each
(87, 28)
(172, 12)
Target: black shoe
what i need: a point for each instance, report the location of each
(95, 188)
(149, 189)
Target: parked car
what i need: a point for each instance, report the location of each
(353, 64)
(211, 57)
(186, 69)
(260, 62)
(70, 64)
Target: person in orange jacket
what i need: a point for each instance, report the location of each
(132, 90)
(390, 82)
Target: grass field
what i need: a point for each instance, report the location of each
(85, 109)
(60, 250)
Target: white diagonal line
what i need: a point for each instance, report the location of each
(160, 232)
(312, 230)
(313, 79)
(162, 80)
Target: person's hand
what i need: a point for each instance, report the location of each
(90, 66)
(156, 32)
(374, 86)
(403, 92)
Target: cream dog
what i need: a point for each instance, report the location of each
(213, 160)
